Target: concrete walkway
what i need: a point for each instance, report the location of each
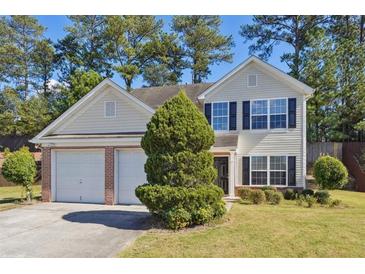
(70, 230)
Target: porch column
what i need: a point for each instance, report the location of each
(46, 174)
(231, 173)
(109, 175)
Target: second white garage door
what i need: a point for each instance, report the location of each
(130, 175)
(80, 176)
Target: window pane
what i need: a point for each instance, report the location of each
(278, 121)
(278, 163)
(259, 107)
(277, 178)
(259, 163)
(259, 178)
(220, 116)
(278, 106)
(259, 122)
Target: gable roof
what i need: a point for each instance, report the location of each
(300, 87)
(88, 96)
(156, 96)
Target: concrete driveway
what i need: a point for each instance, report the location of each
(70, 230)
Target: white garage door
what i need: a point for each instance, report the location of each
(130, 175)
(80, 176)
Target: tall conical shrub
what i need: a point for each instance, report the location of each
(177, 143)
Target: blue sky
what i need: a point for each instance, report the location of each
(230, 26)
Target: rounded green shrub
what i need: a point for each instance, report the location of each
(322, 196)
(273, 197)
(245, 193)
(307, 191)
(290, 194)
(203, 202)
(177, 218)
(203, 215)
(330, 173)
(257, 196)
(19, 167)
(269, 188)
(311, 201)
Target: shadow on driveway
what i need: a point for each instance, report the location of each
(131, 220)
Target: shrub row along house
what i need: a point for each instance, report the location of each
(92, 152)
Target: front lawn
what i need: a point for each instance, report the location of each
(267, 231)
(11, 196)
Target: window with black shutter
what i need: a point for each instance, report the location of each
(208, 112)
(291, 171)
(246, 115)
(292, 109)
(232, 115)
(245, 170)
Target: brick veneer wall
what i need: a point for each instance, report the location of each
(109, 175)
(46, 174)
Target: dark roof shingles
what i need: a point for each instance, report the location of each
(156, 96)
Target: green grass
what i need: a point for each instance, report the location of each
(267, 231)
(12, 196)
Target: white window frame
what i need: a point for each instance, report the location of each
(115, 109)
(268, 170)
(248, 77)
(259, 170)
(286, 170)
(268, 114)
(212, 115)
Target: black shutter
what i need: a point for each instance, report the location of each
(245, 170)
(246, 115)
(232, 115)
(292, 108)
(208, 112)
(291, 171)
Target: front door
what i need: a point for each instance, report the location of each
(221, 164)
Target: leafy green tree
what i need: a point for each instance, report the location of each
(132, 43)
(33, 115)
(19, 167)
(203, 43)
(80, 84)
(266, 32)
(176, 142)
(88, 31)
(169, 64)
(23, 33)
(9, 101)
(44, 58)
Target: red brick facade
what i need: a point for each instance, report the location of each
(109, 175)
(46, 174)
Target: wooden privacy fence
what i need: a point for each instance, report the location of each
(351, 153)
(314, 150)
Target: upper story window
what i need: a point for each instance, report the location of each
(267, 114)
(278, 113)
(109, 109)
(259, 114)
(220, 116)
(252, 80)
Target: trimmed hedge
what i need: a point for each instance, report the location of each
(290, 194)
(322, 196)
(273, 197)
(330, 173)
(245, 193)
(180, 207)
(257, 196)
(308, 192)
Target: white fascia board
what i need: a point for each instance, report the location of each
(90, 94)
(301, 87)
(91, 142)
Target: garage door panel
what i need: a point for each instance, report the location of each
(130, 175)
(80, 176)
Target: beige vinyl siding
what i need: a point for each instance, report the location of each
(130, 117)
(286, 142)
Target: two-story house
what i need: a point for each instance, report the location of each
(92, 152)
